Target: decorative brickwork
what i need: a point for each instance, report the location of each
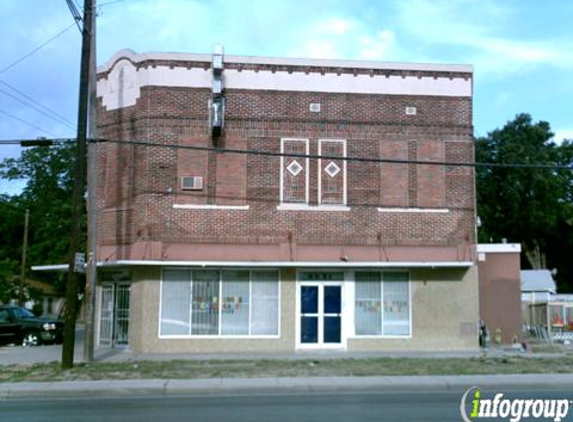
(139, 185)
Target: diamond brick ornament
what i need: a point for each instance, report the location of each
(332, 169)
(294, 168)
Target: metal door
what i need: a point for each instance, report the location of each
(114, 315)
(121, 326)
(106, 315)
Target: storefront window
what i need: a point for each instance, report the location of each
(175, 301)
(212, 303)
(382, 304)
(235, 304)
(265, 291)
(368, 318)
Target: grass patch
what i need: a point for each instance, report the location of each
(185, 369)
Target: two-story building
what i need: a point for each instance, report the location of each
(279, 205)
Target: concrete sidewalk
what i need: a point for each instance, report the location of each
(240, 386)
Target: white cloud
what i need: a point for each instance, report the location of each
(319, 49)
(334, 37)
(377, 47)
(476, 30)
(335, 26)
(562, 134)
(502, 98)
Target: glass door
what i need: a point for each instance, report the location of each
(320, 310)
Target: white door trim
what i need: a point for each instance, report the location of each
(320, 345)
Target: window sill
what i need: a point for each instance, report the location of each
(306, 207)
(210, 207)
(218, 337)
(416, 210)
(381, 337)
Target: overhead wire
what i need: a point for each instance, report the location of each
(75, 14)
(20, 141)
(550, 166)
(34, 103)
(27, 123)
(56, 118)
(36, 49)
(107, 3)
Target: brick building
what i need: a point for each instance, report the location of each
(326, 229)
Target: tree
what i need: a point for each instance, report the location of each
(8, 289)
(525, 205)
(48, 172)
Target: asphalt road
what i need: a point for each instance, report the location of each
(15, 354)
(440, 406)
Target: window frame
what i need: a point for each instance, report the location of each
(382, 310)
(219, 335)
(306, 170)
(344, 174)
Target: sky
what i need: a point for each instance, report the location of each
(521, 50)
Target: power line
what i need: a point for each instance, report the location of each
(75, 14)
(107, 3)
(20, 141)
(37, 104)
(26, 122)
(348, 159)
(311, 156)
(39, 110)
(25, 56)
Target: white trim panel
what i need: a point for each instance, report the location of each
(354, 64)
(291, 264)
(271, 264)
(416, 210)
(305, 207)
(499, 247)
(123, 85)
(210, 207)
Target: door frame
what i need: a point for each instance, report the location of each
(343, 311)
(114, 287)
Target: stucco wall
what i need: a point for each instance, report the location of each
(444, 314)
(144, 333)
(444, 317)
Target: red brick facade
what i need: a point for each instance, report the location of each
(139, 185)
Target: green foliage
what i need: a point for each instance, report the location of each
(8, 289)
(48, 173)
(529, 206)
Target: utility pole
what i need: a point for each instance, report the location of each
(78, 192)
(24, 251)
(91, 270)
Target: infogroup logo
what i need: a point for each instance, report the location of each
(474, 407)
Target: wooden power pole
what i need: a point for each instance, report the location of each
(91, 268)
(21, 297)
(78, 192)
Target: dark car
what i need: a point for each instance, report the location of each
(21, 326)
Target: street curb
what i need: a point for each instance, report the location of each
(233, 386)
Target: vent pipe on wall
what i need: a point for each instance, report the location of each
(217, 100)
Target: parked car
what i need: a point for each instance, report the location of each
(19, 325)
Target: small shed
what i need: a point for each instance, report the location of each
(537, 286)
